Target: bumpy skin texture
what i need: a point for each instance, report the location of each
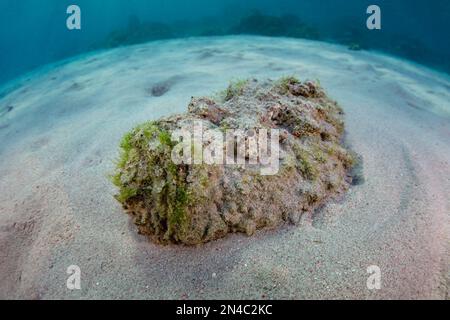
(192, 204)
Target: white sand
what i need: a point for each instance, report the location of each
(58, 143)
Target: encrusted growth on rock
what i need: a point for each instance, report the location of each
(192, 204)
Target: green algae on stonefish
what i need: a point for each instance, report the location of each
(192, 203)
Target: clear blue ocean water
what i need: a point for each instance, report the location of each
(34, 33)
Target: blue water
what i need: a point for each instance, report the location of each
(34, 33)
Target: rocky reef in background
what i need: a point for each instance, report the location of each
(350, 32)
(282, 26)
(138, 32)
(254, 23)
(196, 203)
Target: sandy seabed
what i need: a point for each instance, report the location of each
(59, 133)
